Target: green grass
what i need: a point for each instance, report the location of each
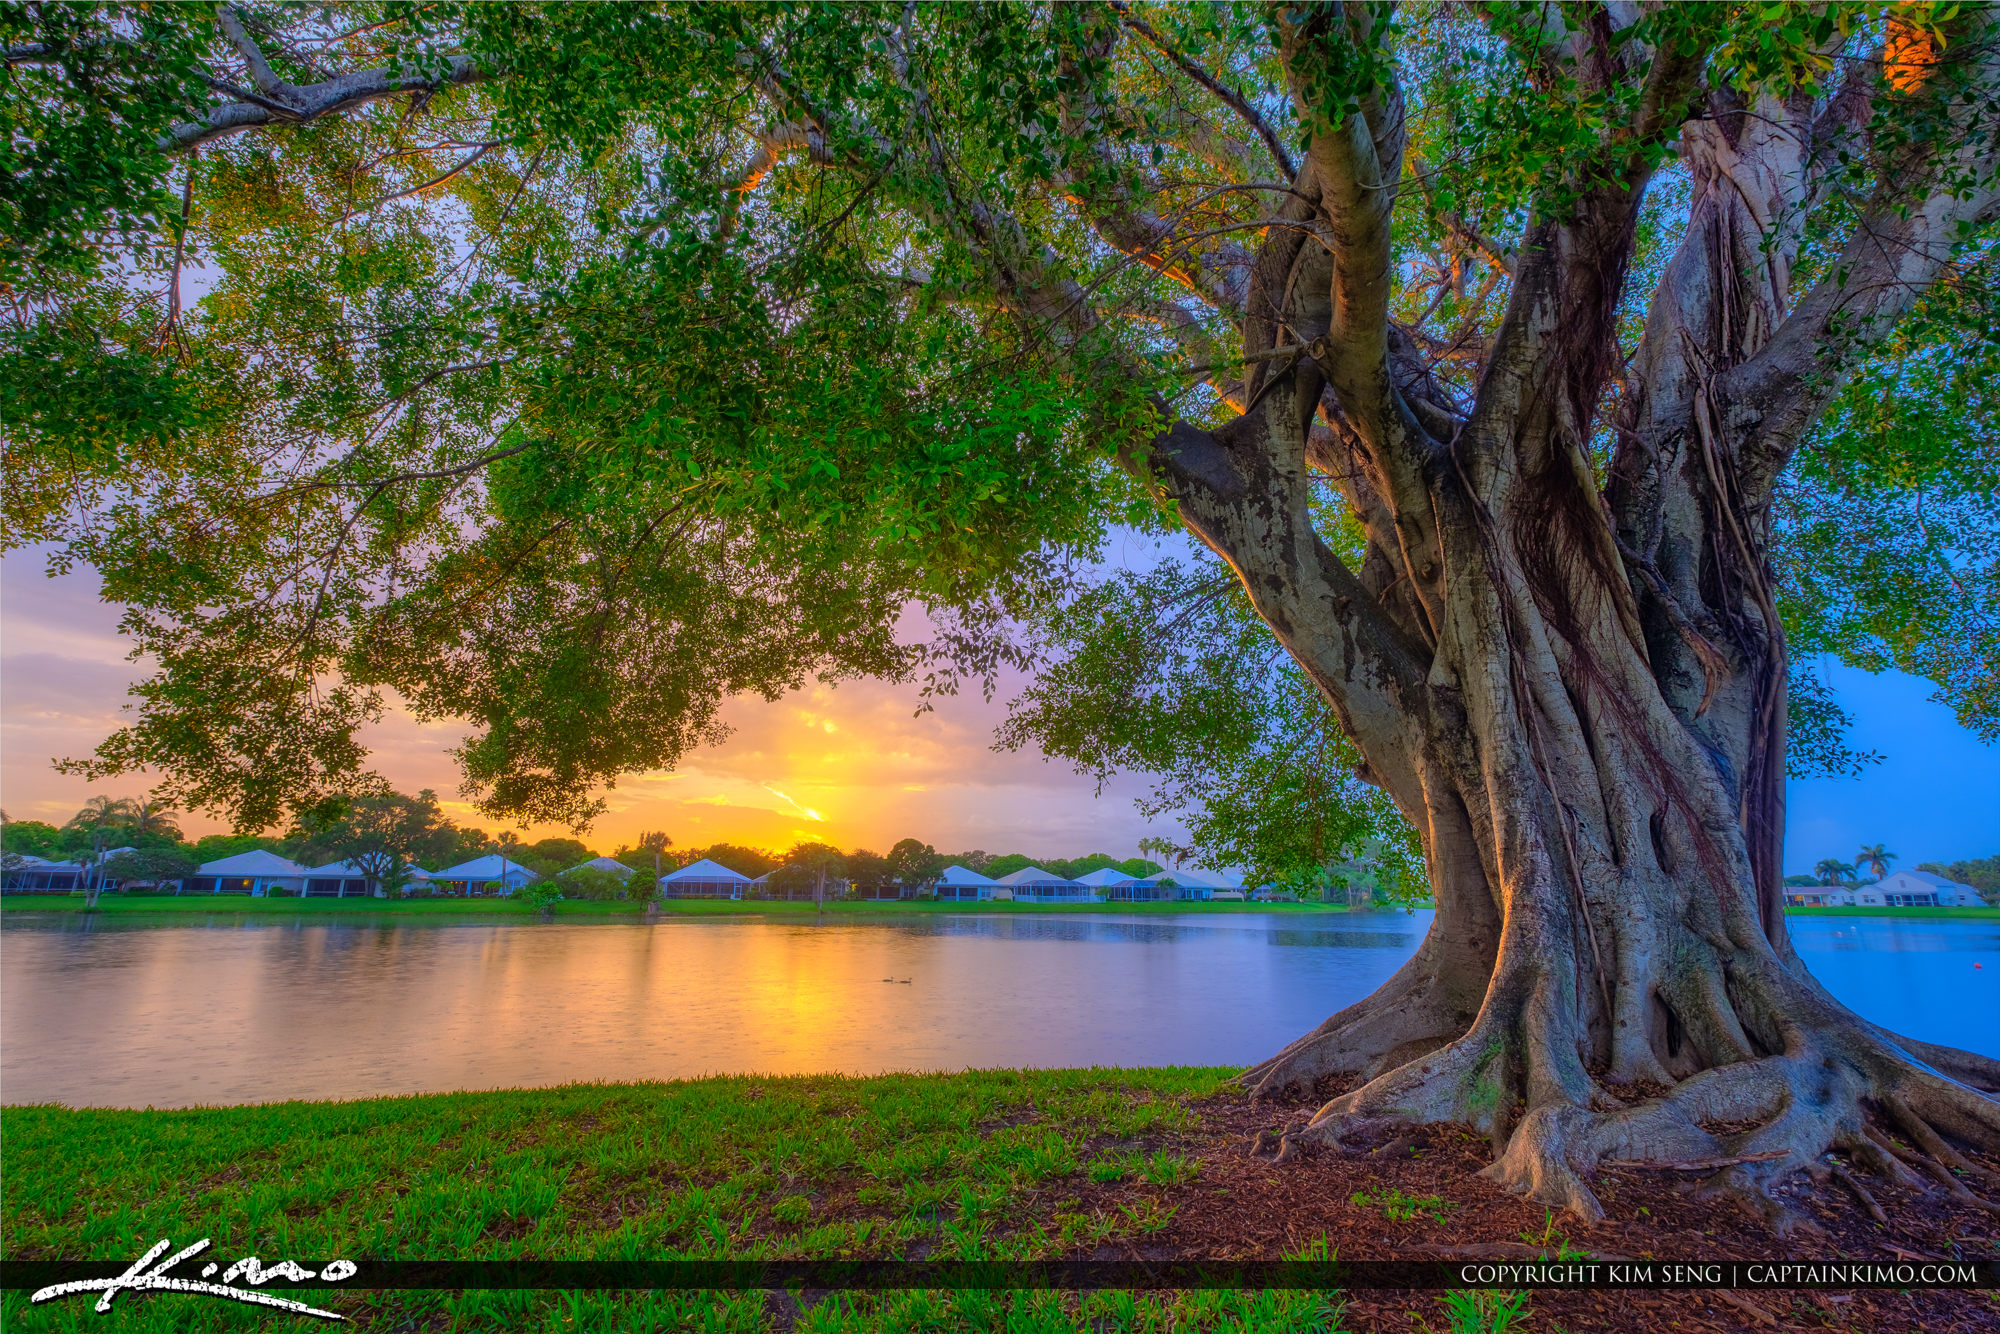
(151, 904)
(991, 1164)
(1896, 912)
(1399, 1207)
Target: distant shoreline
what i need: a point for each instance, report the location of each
(161, 904)
(237, 904)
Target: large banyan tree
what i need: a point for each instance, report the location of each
(1529, 370)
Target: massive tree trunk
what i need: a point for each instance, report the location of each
(1575, 688)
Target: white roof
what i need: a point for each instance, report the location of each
(611, 864)
(958, 875)
(483, 868)
(28, 863)
(1930, 878)
(1032, 875)
(1201, 879)
(348, 868)
(1105, 878)
(706, 870)
(253, 863)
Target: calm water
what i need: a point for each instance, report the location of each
(243, 1010)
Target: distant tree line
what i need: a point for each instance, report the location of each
(384, 834)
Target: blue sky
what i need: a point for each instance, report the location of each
(1934, 797)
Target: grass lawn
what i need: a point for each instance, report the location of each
(425, 907)
(1897, 912)
(971, 1166)
(984, 1165)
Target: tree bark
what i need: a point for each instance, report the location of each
(1575, 692)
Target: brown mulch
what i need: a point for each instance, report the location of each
(1245, 1205)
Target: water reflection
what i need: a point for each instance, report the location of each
(255, 1009)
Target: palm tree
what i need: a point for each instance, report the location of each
(103, 812)
(1876, 859)
(655, 842)
(1833, 871)
(1164, 850)
(99, 815)
(150, 817)
(510, 843)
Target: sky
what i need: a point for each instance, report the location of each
(853, 766)
(857, 767)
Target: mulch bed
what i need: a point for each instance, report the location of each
(1245, 1205)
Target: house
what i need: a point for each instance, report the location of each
(348, 879)
(955, 883)
(256, 873)
(796, 883)
(1200, 885)
(502, 873)
(338, 880)
(1115, 886)
(1819, 896)
(1925, 889)
(1031, 884)
(703, 880)
(39, 875)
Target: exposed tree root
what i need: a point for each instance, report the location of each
(1838, 1085)
(1399, 1023)
(1860, 1193)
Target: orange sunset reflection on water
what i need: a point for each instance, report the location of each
(159, 1016)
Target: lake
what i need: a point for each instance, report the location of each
(127, 1013)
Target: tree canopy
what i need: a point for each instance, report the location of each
(532, 366)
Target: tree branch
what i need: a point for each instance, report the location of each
(439, 179)
(313, 101)
(1556, 346)
(1502, 258)
(1234, 100)
(1920, 211)
(1247, 497)
(261, 75)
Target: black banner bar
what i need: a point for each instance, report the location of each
(1070, 1275)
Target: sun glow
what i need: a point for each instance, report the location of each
(806, 811)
